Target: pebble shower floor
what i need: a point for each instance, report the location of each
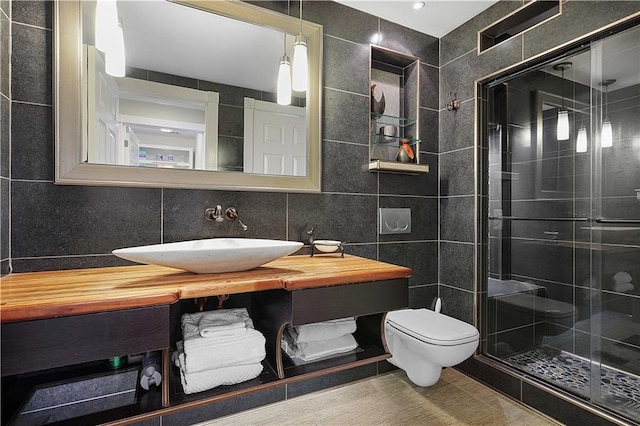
(572, 373)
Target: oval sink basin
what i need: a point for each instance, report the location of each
(211, 256)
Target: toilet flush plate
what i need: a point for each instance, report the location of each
(394, 221)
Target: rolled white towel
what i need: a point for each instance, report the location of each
(310, 351)
(325, 330)
(220, 323)
(201, 353)
(209, 379)
(622, 282)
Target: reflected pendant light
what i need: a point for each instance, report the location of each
(106, 24)
(300, 64)
(114, 58)
(562, 132)
(581, 141)
(284, 78)
(606, 135)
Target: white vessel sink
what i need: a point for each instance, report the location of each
(211, 256)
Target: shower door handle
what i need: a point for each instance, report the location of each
(619, 221)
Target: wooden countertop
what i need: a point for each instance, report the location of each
(38, 295)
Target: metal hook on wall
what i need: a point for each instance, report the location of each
(454, 102)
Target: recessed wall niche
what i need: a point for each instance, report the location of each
(393, 138)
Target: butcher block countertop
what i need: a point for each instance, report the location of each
(49, 294)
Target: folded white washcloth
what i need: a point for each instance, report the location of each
(309, 351)
(209, 379)
(202, 353)
(325, 330)
(220, 323)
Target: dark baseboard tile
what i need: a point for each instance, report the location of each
(330, 380)
(225, 408)
(492, 377)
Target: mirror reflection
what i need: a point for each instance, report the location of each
(198, 91)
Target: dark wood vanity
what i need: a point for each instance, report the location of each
(64, 323)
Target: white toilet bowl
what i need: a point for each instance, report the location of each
(421, 342)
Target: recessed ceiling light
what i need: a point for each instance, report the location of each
(418, 5)
(163, 130)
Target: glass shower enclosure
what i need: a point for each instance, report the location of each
(561, 222)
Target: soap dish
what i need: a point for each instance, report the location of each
(327, 246)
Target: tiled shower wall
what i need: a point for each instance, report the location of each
(460, 66)
(59, 227)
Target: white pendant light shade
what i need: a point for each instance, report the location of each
(114, 58)
(284, 82)
(300, 65)
(607, 134)
(106, 24)
(562, 132)
(581, 141)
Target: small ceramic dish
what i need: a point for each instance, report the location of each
(327, 246)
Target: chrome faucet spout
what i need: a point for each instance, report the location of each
(214, 214)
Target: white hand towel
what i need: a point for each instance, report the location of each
(209, 379)
(220, 323)
(324, 330)
(309, 351)
(201, 353)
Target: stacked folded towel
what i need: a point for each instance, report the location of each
(311, 342)
(218, 348)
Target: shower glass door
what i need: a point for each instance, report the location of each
(562, 292)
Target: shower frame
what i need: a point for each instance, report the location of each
(481, 205)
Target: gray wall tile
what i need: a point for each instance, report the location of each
(350, 219)
(421, 257)
(457, 303)
(5, 132)
(343, 168)
(429, 129)
(341, 21)
(456, 219)
(36, 13)
(345, 117)
(50, 220)
(406, 40)
(429, 86)
(5, 57)
(456, 173)
(346, 65)
(31, 145)
(423, 296)
(183, 214)
(456, 128)
(5, 209)
(31, 66)
(456, 265)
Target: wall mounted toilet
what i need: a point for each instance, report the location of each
(422, 341)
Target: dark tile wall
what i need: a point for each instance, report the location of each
(72, 226)
(62, 227)
(5, 136)
(460, 66)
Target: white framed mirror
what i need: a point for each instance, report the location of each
(186, 114)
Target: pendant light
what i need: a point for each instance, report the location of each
(562, 131)
(606, 135)
(581, 140)
(300, 64)
(106, 24)
(284, 78)
(114, 58)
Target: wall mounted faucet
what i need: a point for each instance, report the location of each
(214, 214)
(232, 214)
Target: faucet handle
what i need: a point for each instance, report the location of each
(232, 214)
